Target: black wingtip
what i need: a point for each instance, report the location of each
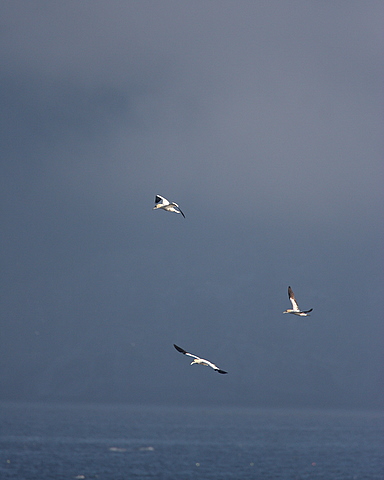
(179, 349)
(307, 311)
(221, 371)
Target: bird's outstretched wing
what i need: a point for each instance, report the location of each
(215, 367)
(162, 200)
(181, 350)
(177, 206)
(292, 298)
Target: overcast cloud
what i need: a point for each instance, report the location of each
(264, 121)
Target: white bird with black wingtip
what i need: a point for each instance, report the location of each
(163, 203)
(199, 361)
(295, 310)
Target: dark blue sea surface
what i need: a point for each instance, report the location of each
(111, 442)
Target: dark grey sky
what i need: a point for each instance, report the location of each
(263, 120)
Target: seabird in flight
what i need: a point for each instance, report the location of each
(295, 310)
(198, 360)
(163, 203)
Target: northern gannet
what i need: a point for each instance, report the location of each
(163, 203)
(199, 361)
(295, 310)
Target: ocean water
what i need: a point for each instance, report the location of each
(112, 442)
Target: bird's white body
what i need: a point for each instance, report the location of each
(295, 310)
(164, 204)
(202, 361)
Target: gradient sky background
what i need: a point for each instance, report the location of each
(264, 121)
